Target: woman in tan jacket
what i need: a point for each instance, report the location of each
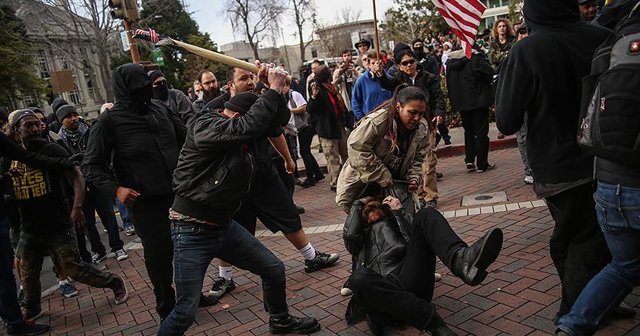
(388, 144)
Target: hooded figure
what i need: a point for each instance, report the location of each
(542, 76)
(141, 140)
(176, 101)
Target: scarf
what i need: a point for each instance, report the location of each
(74, 136)
(333, 91)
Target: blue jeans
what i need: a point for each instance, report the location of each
(195, 245)
(9, 309)
(618, 211)
(122, 209)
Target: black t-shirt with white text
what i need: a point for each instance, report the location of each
(40, 194)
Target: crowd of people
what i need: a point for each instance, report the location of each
(191, 174)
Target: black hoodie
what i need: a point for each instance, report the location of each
(143, 137)
(542, 77)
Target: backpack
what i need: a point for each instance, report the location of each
(609, 124)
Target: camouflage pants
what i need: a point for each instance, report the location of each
(64, 251)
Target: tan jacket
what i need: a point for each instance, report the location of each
(370, 153)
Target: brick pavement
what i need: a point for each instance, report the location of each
(519, 297)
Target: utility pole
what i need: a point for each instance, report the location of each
(127, 11)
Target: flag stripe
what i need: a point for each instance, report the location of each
(463, 17)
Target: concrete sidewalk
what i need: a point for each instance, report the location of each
(519, 297)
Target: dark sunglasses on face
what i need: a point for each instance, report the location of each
(408, 62)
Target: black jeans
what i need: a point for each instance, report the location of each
(305, 136)
(9, 309)
(405, 296)
(151, 220)
(97, 201)
(578, 248)
(476, 136)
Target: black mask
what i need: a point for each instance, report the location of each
(161, 92)
(419, 53)
(141, 96)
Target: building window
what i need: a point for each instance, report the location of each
(314, 52)
(43, 66)
(64, 60)
(28, 100)
(75, 97)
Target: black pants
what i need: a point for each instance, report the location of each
(443, 131)
(287, 179)
(151, 220)
(578, 248)
(405, 296)
(97, 201)
(271, 202)
(476, 136)
(305, 136)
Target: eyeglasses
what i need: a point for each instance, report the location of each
(407, 62)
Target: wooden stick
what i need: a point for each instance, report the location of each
(375, 30)
(214, 56)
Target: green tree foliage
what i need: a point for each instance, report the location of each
(410, 19)
(17, 73)
(169, 18)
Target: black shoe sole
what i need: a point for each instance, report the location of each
(320, 266)
(488, 254)
(316, 327)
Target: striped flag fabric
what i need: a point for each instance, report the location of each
(463, 17)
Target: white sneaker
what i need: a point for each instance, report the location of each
(346, 291)
(121, 255)
(528, 179)
(437, 276)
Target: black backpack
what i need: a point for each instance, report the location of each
(610, 111)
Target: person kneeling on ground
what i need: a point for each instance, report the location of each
(393, 282)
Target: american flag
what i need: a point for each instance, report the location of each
(463, 16)
(151, 34)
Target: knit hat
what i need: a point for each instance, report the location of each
(154, 74)
(55, 105)
(19, 114)
(241, 102)
(64, 111)
(582, 2)
(399, 49)
(416, 41)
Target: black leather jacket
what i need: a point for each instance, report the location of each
(215, 168)
(380, 246)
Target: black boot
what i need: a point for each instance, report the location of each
(293, 325)
(470, 263)
(437, 327)
(26, 328)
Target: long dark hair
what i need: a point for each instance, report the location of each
(402, 94)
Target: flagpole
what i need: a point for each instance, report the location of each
(375, 30)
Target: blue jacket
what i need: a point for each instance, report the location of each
(367, 95)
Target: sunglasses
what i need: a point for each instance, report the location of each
(408, 62)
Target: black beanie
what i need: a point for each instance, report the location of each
(241, 102)
(154, 74)
(64, 111)
(55, 105)
(416, 41)
(399, 49)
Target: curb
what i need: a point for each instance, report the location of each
(457, 150)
